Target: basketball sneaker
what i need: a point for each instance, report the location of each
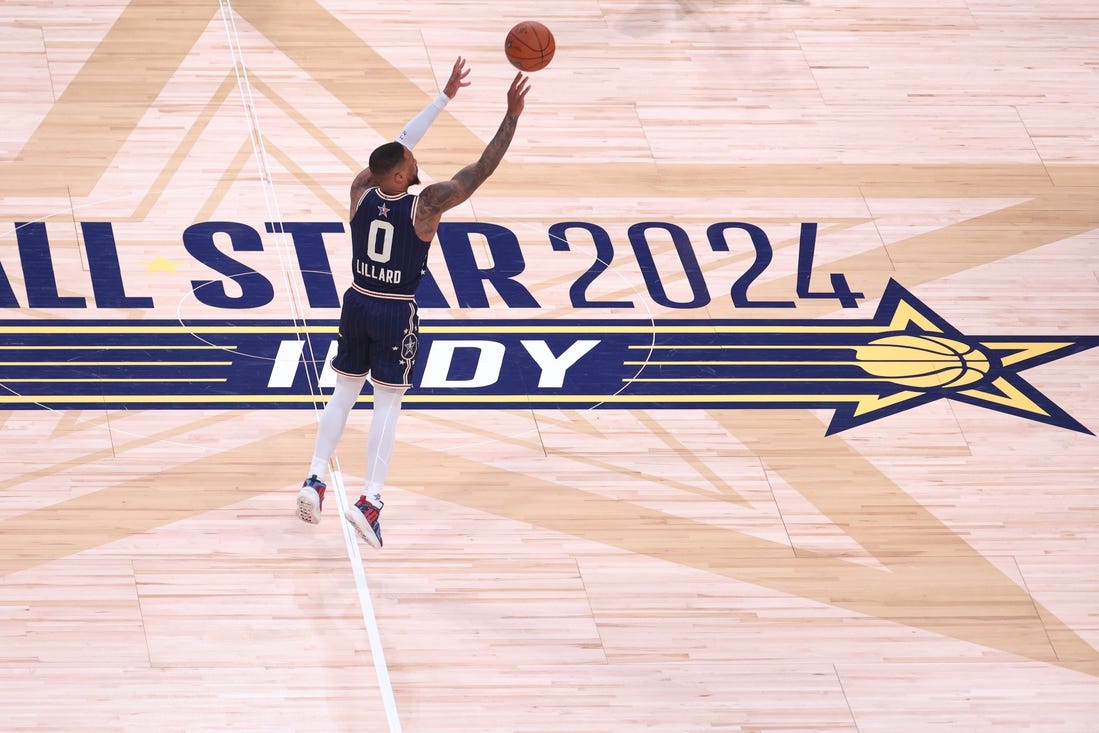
(364, 518)
(310, 500)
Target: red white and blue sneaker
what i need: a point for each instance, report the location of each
(364, 518)
(310, 500)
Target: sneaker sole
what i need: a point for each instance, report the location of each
(362, 529)
(309, 509)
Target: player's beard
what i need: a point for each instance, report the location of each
(415, 178)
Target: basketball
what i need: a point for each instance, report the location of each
(529, 46)
(924, 361)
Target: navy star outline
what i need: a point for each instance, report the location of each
(1002, 390)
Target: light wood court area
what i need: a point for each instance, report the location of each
(755, 391)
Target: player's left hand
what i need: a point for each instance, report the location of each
(517, 94)
(457, 78)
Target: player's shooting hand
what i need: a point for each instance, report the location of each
(457, 78)
(517, 94)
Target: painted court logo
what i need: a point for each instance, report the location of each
(903, 357)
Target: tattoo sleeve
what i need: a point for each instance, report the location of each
(438, 198)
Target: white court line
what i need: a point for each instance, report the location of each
(369, 619)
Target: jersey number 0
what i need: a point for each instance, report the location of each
(380, 241)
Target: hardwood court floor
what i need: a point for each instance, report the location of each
(712, 558)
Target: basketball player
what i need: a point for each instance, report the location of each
(391, 231)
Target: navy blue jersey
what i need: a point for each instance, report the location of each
(387, 258)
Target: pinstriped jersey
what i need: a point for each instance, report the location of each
(387, 257)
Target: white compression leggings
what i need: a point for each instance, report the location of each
(382, 436)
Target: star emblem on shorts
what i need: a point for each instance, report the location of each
(409, 346)
(383, 210)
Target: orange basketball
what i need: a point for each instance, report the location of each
(529, 46)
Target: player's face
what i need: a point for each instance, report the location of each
(413, 169)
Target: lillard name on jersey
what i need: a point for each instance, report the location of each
(388, 258)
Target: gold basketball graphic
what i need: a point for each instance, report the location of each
(924, 361)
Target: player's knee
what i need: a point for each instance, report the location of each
(345, 382)
(389, 390)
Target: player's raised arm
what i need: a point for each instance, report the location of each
(439, 197)
(414, 131)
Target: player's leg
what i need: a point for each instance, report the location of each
(392, 362)
(332, 423)
(364, 516)
(382, 438)
(351, 364)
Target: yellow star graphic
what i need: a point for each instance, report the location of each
(160, 264)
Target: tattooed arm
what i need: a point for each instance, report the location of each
(439, 197)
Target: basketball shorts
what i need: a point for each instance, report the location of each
(379, 337)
